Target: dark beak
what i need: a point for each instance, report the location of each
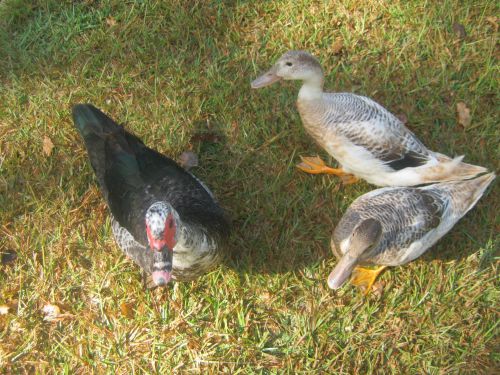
(162, 266)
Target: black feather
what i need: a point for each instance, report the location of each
(410, 159)
(132, 177)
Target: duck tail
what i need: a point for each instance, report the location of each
(454, 169)
(95, 128)
(91, 121)
(465, 194)
(478, 187)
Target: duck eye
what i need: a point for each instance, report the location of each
(289, 64)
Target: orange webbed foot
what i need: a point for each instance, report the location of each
(365, 277)
(315, 165)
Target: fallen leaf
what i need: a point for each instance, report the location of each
(110, 21)
(463, 113)
(188, 159)
(193, 345)
(47, 145)
(209, 137)
(8, 256)
(4, 309)
(378, 289)
(127, 310)
(459, 30)
(493, 21)
(402, 117)
(337, 46)
(266, 296)
(53, 313)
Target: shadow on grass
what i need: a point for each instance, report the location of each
(282, 221)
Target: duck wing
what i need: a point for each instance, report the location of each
(407, 215)
(133, 176)
(369, 125)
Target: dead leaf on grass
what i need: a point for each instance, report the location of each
(266, 296)
(53, 313)
(7, 257)
(378, 289)
(459, 30)
(127, 310)
(202, 137)
(4, 309)
(402, 117)
(337, 46)
(463, 114)
(8, 307)
(48, 146)
(110, 21)
(493, 21)
(188, 159)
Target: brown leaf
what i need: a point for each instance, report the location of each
(53, 313)
(402, 117)
(188, 159)
(8, 256)
(266, 296)
(459, 30)
(493, 21)
(48, 146)
(337, 46)
(463, 114)
(209, 137)
(4, 309)
(378, 289)
(110, 21)
(9, 307)
(193, 345)
(127, 310)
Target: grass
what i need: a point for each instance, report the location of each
(178, 74)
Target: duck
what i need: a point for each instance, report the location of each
(392, 226)
(367, 140)
(162, 217)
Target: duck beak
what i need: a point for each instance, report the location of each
(162, 266)
(341, 272)
(266, 79)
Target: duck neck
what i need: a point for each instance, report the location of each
(312, 88)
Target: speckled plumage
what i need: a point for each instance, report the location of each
(412, 219)
(134, 178)
(366, 139)
(187, 264)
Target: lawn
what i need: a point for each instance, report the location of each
(178, 74)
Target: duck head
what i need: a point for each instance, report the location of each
(293, 65)
(364, 237)
(161, 228)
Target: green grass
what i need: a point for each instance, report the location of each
(178, 74)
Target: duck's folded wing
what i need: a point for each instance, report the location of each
(415, 216)
(407, 216)
(367, 124)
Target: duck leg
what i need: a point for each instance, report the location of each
(315, 165)
(365, 277)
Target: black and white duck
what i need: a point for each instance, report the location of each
(163, 217)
